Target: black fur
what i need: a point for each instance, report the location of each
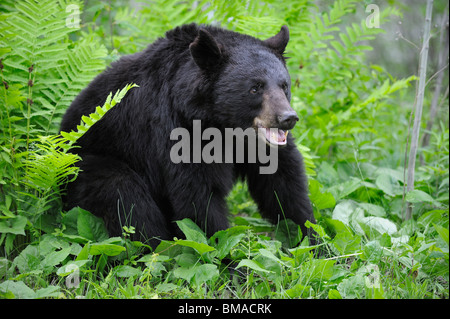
(194, 72)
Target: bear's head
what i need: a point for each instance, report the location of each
(251, 82)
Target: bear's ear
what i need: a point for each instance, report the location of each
(279, 41)
(205, 50)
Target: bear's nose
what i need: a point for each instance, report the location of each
(287, 120)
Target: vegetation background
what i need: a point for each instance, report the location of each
(354, 88)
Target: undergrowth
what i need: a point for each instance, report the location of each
(352, 134)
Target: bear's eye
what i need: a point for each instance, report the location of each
(284, 87)
(255, 89)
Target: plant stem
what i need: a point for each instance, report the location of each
(419, 105)
(442, 57)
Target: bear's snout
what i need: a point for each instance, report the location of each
(287, 120)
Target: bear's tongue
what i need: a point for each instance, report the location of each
(276, 136)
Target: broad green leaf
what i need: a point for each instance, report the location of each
(192, 231)
(186, 259)
(317, 269)
(343, 210)
(227, 239)
(288, 233)
(321, 200)
(18, 288)
(349, 213)
(79, 222)
(373, 210)
(84, 253)
(204, 273)
(270, 255)
(379, 224)
(317, 228)
(56, 257)
(334, 294)
(252, 264)
(347, 243)
(300, 291)
(352, 287)
(28, 260)
(418, 196)
(372, 251)
(443, 232)
(184, 273)
(125, 271)
(201, 248)
(14, 225)
(105, 249)
(91, 227)
(389, 184)
(47, 292)
(298, 251)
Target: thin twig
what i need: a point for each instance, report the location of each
(419, 104)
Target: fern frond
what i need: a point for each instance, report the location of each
(83, 63)
(51, 165)
(40, 58)
(87, 121)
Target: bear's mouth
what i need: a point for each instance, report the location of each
(273, 136)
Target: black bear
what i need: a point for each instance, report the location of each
(222, 78)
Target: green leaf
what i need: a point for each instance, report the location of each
(443, 232)
(340, 191)
(317, 228)
(321, 200)
(373, 210)
(300, 291)
(288, 233)
(201, 248)
(91, 227)
(378, 224)
(389, 184)
(47, 292)
(418, 196)
(252, 264)
(84, 253)
(372, 252)
(347, 243)
(298, 251)
(317, 269)
(18, 288)
(80, 222)
(124, 271)
(227, 239)
(334, 294)
(205, 273)
(56, 257)
(352, 287)
(192, 231)
(28, 260)
(343, 210)
(106, 248)
(184, 273)
(14, 225)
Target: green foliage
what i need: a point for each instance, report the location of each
(47, 169)
(352, 134)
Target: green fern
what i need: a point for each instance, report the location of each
(41, 71)
(70, 138)
(83, 62)
(42, 65)
(51, 164)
